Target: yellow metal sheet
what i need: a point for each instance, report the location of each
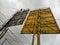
(41, 20)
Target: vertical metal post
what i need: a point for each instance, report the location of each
(39, 28)
(33, 39)
(38, 38)
(34, 30)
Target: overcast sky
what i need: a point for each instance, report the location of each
(11, 6)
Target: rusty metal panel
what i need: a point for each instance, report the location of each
(41, 20)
